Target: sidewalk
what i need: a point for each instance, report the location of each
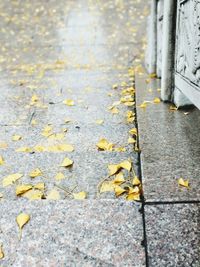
(70, 149)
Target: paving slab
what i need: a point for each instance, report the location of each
(170, 146)
(173, 235)
(73, 233)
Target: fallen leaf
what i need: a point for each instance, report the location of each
(119, 179)
(103, 144)
(184, 183)
(100, 122)
(67, 162)
(107, 186)
(35, 173)
(173, 108)
(47, 131)
(11, 179)
(68, 102)
(136, 181)
(131, 140)
(53, 195)
(33, 194)
(114, 110)
(119, 190)
(133, 197)
(113, 168)
(1, 252)
(59, 176)
(67, 120)
(133, 131)
(156, 100)
(126, 164)
(115, 86)
(80, 195)
(3, 145)
(16, 137)
(40, 186)
(143, 105)
(22, 219)
(1, 160)
(24, 149)
(21, 189)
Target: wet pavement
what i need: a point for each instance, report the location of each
(67, 81)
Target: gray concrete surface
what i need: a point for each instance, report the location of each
(173, 235)
(73, 233)
(170, 147)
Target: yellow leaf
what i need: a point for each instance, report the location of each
(34, 98)
(80, 195)
(120, 149)
(68, 102)
(33, 122)
(115, 86)
(126, 164)
(114, 110)
(22, 219)
(59, 176)
(143, 105)
(184, 183)
(156, 100)
(21, 189)
(113, 168)
(33, 194)
(16, 137)
(39, 148)
(40, 186)
(12, 178)
(100, 122)
(67, 120)
(1, 160)
(103, 144)
(119, 190)
(133, 197)
(133, 131)
(1, 195)
(35, 173)
(67, 162)
(24, 149)
(1, 252)
(60, 147)
(173, 108)
(57, 136)
(131, 140)
(107, 186)
(3, 145)
(119, 179)
(136, 181)
(47, 131)
(53, 195)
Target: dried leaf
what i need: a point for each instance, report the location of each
(119, 179)
(100, 122)
(68, 102)
(22, 219)
(133, 197)
(16, 137)
(53, 195)
(1, 160)
(126, 164)
(59, 176)
(80, 195)
(131, 140)
(156, 100)
(12, 178)
(143, 105)
(114, 110)
(21, 189)
(136, 181)
(133, 131)
(119, 190)
(1, 252)
(40, 186)
(113, 168)
(67, 162)
(184, 183)
(107, 186)
(115, 86)
(33, 194)
(103, 144)
(173, 108)
(24, 149)
(35, 173)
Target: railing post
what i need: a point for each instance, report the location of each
(168, 49)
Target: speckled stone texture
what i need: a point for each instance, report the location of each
(73, 233)
(170, 146)
(173, 235)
